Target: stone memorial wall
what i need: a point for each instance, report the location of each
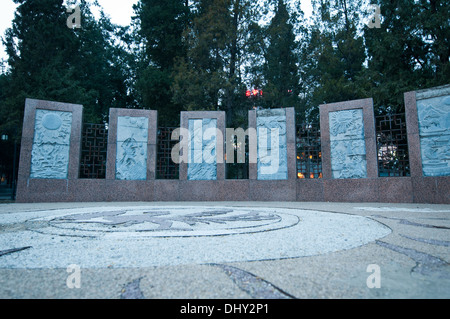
(50, 155)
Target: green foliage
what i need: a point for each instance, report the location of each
(161, 24)
(410, 51)
(200, 76)
(204, 54)
(333, 56)
(52, 62)
(218, 46)
(280, 70)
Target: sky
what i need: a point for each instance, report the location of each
(120, 12)
(6, 16)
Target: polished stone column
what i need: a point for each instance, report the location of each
(50, 147)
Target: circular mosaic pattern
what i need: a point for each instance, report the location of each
(147, 236)
(168, 222)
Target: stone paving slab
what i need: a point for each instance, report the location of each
(226, 250)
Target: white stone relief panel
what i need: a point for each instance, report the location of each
(272, 144)
(132, 140)
(51, 145)
(348, 146)
(434, 131)
(202, 164)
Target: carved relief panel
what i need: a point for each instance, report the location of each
(272, 144)
(202, 162)
(348, 147)
(132, 140)
(51, 145)
(434, 131)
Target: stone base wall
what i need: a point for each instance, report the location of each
(432, 190)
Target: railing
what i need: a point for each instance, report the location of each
(166, 168)
(309, 151)
(392, 145)
(392, 151)
(94, 145)
(238, 170)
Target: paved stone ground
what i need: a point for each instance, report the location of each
(224, 250)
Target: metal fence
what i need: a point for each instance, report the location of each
(392, 145)
(94, 153)
(309, 151)
(94, 144)
(391, 135)
(238, 170)
(166, 168)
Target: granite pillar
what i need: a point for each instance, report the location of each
(348, 140)
(428, 124)
(349, 158)
(272, 171)
(50, 149)
(276, 149)
(428, 130)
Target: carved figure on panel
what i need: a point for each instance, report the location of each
(132, 163)
(434, 132)
(348, 148)
(132, 139)
(202, 164)
(51, 145)
(272, 144)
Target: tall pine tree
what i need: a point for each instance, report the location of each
(161, 24)
(410, 51)
(334, 55)
(50, 61)
(219, 44)
(280, 70)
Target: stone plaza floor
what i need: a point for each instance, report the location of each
(224, 250)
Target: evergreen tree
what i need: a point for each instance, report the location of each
(280, 70)
(161, 24)
(50, 61)
(38, 45)
(334, 54)
(204, 55)
(6, 128)
(200, 77)
(102, 65)
(219, 45)
(410, 51)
